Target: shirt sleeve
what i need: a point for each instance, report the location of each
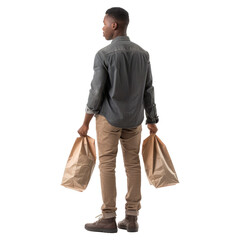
(149, 98)
(98, 86)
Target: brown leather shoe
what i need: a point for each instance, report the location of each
(107, 225)
(129, 223)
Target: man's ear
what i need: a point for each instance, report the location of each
(114, 25)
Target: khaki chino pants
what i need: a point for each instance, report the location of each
(107, 139)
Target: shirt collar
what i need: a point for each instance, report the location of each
(120, 38)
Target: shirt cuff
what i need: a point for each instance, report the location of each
(88, 110)
(153, 120)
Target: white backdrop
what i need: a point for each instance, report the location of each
(47, 50)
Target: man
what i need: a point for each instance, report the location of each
(120, 91)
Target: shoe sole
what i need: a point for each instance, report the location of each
(128, 229)
(102, 230)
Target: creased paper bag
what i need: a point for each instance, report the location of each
(80, 164)
(157, 162)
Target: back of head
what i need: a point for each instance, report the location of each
(120, 15)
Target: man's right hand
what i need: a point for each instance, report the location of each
(152, 127)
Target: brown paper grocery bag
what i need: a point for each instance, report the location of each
(80, 164)
(158, 164)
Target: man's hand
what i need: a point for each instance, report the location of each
(152, 127)
(83, 130)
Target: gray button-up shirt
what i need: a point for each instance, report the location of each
(122, 85)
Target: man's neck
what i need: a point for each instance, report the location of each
(119, 34)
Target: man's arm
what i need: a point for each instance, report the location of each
(96, 93)
(149, 98)
(98, 87)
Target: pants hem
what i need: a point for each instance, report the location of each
(133, 213)
(109, 215)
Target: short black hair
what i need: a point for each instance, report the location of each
(119, 14)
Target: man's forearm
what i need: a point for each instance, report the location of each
(87, 119)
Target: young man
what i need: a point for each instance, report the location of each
(121, 90)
